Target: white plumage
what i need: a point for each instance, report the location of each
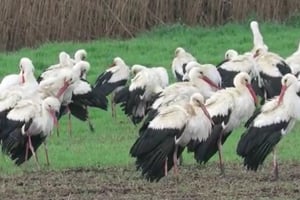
(266, 128)
(26, 74)
(167, 134)
(228, 108)
(294, 62)
(180, 60)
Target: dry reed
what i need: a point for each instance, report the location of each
(31, 22)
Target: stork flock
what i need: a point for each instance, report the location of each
(258, 89)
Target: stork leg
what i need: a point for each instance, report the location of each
(175, 160)
(221, 162)
(26, 152)
(92, 129)
(32, 151)
(113, 106)
(166, 167)
(57, 129)
(69, 122)
(46, 152)
(275, 165)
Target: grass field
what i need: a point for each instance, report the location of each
(109, 145)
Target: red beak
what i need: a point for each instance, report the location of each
(62, 89)
(52, 113)
(22, 77)
(252, 93)
(112, 65)
(282, 92)
(210, 82)
(256, 54)
(207, 113)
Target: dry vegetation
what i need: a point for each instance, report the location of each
(28, 23)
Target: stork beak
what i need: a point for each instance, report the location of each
(210, 82)
(207, 113)
(81, 73)
(53, 115)
(112, 65)
(256, 54)
(185, 77)
(282, 92)
(252, 93)
(22, 77)
(63, 88)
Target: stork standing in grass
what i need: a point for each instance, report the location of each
(166, 135)
(27, 126)
(270, 65)
(137, 98)
(267, 126)
(26, 74)
(113, 80)
(294, 62)
(180, 61)
(235, 64)
(228, 108)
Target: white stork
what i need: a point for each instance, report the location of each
(258, 40)
(64, 61)
(81, 94)
(210, 74)
(26, 74)
(228, 108)
(80, 55)
(234, 64)
(112, 80)
(141, 93)
(166, 135)
(230, 54)
(26, 127)
(294, 62)
(179, 62)
(271, 66)
(266, 127)
(182, 91)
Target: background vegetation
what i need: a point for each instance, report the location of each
(109, 145)
(32, 22)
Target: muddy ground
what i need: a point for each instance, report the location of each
(194, 182)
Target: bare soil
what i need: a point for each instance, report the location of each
(194, 182)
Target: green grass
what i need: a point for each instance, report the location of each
(110, 143)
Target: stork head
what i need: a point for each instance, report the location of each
(52, 105)
(80, 55)
(137, 68)
(198, 100)
(64, 59)
(200, 72)
(80, 69)
(242, 80)
(26, 68)
(287, 81)
(230, 54)
(178, 51)
(117, 61)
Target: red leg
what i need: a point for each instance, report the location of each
(221, 154)
(32, 151)
(275, 165)
(175, 160)
(46, 152)
(166, 167)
